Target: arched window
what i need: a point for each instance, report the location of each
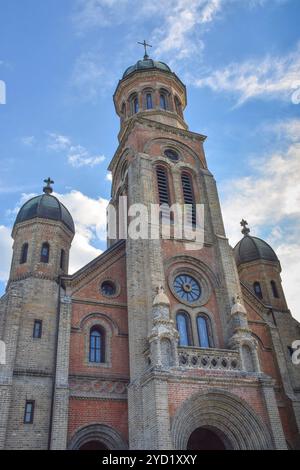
(163, 185)
(188, 195)
(24, 253)
(97, 345)
(149, 102)
(163, 100)
(178, 106)
(134, 104)
(45, 252)
(257, 290)
(183, 327)
(203, 332)
(62, 259)
(274, 290)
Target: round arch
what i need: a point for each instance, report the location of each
(98, 433)
(224, 413)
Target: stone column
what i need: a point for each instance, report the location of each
(61, 395)
(279, 441)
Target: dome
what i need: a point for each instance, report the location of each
(253, 248)
(146, 64)
(45, 206)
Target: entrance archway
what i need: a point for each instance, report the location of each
(93, 445)
(205, 439)
(226, 415)
(97, 437)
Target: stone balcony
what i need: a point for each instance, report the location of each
(212, 359)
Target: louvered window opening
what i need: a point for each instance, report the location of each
(188, 196)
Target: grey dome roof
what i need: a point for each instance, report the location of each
(45, 206)
(252, 248)
(146, 64)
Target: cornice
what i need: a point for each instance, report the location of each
(156, 125)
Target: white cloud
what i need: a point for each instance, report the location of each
(90, 222)
(5, 252)
(108, 176)
(90, 77)
(264, 78)
(177, 20)
(269, 199)
(28, 141)
(77, 155)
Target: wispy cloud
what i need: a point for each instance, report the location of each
(270, 200)
(90, 77)
(77, 155)
(28, 140)
(263, 78)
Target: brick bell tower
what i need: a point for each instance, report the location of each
(171, 288)
(42, 234)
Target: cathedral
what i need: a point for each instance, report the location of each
(152, 345)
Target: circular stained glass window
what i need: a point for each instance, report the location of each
(108, 288)
(171, 154)
(187, 288)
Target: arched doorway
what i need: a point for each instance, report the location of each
(226, 415)
(205, 439)
(93, 445)
(97, 437)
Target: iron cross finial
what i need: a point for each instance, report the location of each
(244, 224)
(145, 47)
(48, 189)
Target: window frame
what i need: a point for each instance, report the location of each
(259, 294)
(188, 193)
(208, 331)
(101, 348)
(24, 253)
(188, 327)
(40, 329)
(275, 291)
(45, 258)
(31, 413)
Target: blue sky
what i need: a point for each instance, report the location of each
(240, 59)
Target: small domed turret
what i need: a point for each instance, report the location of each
(42, 233)
(259, 268)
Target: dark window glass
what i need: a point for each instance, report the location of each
(37, 329)
(62, 259)
(29, 411)
(24, 253)
(135, 105)
(45, 251)
(274, 290)
(163, 101)
(108, 288)
(96, 345)
(188, 196)
(203, 332)
(162, 184)
(182, 322)
(257, 290)
(149, 101)
(171, 154)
